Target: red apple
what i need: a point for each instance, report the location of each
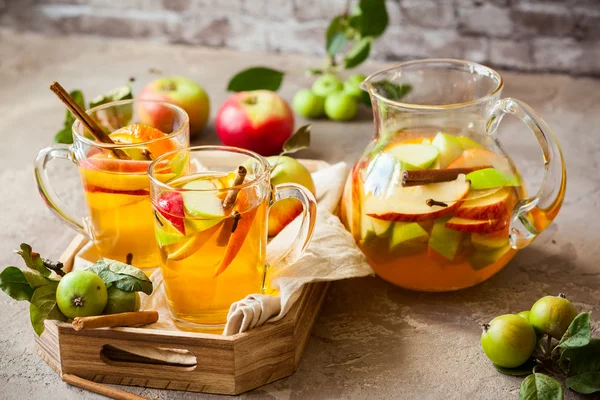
(170, 206)
(493, 206)
(475, 226)
(177, 90)
(259, 120)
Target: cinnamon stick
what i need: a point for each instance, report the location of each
(232, 194)
(99, 388)
(88, 122)
(122, 319)
(426, 176)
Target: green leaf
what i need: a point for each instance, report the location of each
(521, 370)
(358, 53)
(14, 283)
(256, 78)
(36, 280)
(120, 93)
(123, 276)
(33, 260)
(43, 306)
(586, 383)
(578, 360)
(578, 334)
(65, 135)
(540, 387)
(298, 141)
(118, 116)
(373, 17)
(390, 90)
(314, 71)
(335, 39)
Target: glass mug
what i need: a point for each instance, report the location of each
(211, 228)
(434, 202)
(120, 222)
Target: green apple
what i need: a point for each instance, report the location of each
(308, 104)
(415, 156)
(487, 243)
(203, 200)
(490, 178)
(450, 148)
(327, 84)
(81, 294)
(467, 143)
(407, 235)
(481, 259)
(445, 241)
(352, 85)
(165, 238)
(287, 170)
(120, 301)
(340, 106)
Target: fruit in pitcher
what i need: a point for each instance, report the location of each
(417, 203)
(467, 143)
(81, 294)
(490, 178)
(258, 120)
(482, 258)
(407, 236)
(202, 200)
(340, 107)
(475, 226)
(488, 242)
(477, 157)
(177, 90)
(120, 301)
(508, 340)
(493, 206)
(287, 170)
(372, 227)
(450, 148)
(552, 315)
(445, 242)
(352, 85)
(421, 156)
(308, 104)
(195, 243)
(170, 206)
(327, 84)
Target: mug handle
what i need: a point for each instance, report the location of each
(54, 203)
(533, 214)
(307, 224)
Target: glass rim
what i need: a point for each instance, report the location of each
(431, 61)
(82, 138)
(229, 149)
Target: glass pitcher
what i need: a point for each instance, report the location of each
(435, 203)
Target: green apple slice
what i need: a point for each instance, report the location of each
(467, 143)
(449, 147)
(165, 238)
(407, 235)
(373, 227)
(445, 241)
(415, 155)
(487, 243)
(203, 201)
(491, 178)
(481, 259)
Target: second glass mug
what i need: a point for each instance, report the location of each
(120, 222)
(211, 228)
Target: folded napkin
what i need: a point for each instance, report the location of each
(331, 255)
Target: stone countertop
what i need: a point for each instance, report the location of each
(372, 340)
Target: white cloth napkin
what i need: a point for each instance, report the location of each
(331, 255)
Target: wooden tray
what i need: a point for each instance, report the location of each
(224, 364)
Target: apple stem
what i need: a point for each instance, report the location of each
(232, 194)
(485, 327)
(562, 296)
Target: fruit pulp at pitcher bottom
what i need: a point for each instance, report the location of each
(122, 223)
(199, 296)
(449, 252)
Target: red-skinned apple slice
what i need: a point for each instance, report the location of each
(493, 206)
(475, 226)
(477, 157)
(410, 203)
(170, 206)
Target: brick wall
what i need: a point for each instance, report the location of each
(529, 35)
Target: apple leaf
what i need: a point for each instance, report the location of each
(124, 276)
(65, 135)
(33, 259)
(586, 383)
(14, 283)
(540, 387)
(256, 78)
(335, 37)
(578, 360)
(43, 306)
(578, 334)
(373, 18)
(358, 53)
(298, 141)
(521, 370)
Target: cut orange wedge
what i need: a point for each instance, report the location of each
(139, 133)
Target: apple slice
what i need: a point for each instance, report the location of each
(467, 143)
(170, 206)
(373, 227)
(415, 156)
(203, 201)
(490, 178)
(193, 244)
(493, 206)
(450, 148)
(488, 242)
(481, 259)
(410, 203)
(477, 157)
(407, 236)
(475, 226)
(445, 242)
(164, 237)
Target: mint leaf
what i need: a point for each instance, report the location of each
(115, 117)
(521, 370)
(540, 387)
(33, 259)
(43, 306)
(578, 360)
(65, 135)
(578, 334)
(358, 53)
(120, 93)
(335, 38)
(14, 283)
(298, 141)
(123, 276)
(586, 383)
(390, 90)
(373, 17)
(256, 78)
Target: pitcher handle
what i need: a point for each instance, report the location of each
(308, 217)
(54, 203)
(533, 214)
